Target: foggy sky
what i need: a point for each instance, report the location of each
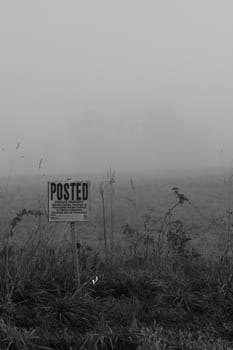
(135, 84)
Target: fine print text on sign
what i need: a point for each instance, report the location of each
(69, 201)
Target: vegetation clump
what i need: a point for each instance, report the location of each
(154, 292)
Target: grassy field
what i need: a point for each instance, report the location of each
(164, 282)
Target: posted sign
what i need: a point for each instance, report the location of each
(69, 201)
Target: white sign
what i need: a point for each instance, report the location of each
(69, 201)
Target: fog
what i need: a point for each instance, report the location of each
(140, 85)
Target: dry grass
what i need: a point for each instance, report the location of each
(129, 306)
(153, 292)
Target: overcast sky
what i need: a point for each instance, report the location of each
(135, 84)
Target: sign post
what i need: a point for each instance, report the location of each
(69, 201)
(75, 254)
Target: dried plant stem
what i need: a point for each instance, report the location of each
(112, 193)
(104, 221)
(229, 214)
(5, 198)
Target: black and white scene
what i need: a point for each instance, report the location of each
(116, 175)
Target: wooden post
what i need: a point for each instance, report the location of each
(75, 255)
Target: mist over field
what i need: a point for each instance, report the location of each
(140, 86)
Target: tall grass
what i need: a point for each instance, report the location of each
(129, 306)
(156, 291)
